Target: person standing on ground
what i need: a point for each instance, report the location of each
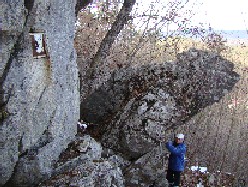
(176, 160)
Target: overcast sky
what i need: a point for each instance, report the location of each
(225, 14)
(219, 14)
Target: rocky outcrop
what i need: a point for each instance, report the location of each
(149, 169)
(146, 102)
(39, 97)
(136, 108)
(89, 168)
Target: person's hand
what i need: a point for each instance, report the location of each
(169, 142)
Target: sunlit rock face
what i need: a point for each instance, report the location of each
(39, 97)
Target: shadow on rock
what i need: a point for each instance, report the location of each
(138, 106)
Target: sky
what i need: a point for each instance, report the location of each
(218, 14)
(224, 14)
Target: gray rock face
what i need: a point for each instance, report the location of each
(159, 96)
(41, 100)
(153, 99)
(89, 168)
(105, 173)
(13, 15)
(148, 170)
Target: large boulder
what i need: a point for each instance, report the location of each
(167, 95)
(39, 97)
(148, 101)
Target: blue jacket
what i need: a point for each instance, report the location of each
(176, 158)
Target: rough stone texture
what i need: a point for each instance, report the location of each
(146, 102)
(105, 173)
(89, 168)
(164, 94)
(13, 14)
(150, 169)
(138, 106)
(42, 101)
(8, 41)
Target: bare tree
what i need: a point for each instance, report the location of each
(104, 49)
(147, 39)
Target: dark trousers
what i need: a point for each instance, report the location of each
(173, 177)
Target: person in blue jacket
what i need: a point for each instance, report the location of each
(176, 160)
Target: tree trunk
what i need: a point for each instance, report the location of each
(122, 18)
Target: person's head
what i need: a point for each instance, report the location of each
(179, 138)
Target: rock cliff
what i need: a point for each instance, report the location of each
(136, 108)
(39, 96)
